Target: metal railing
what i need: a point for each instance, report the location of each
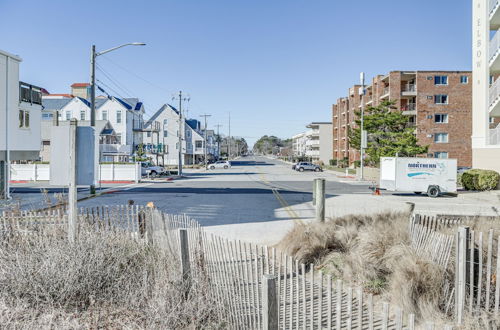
(116, 148)
(494, 91)
(409, 107)
(493, 5)
(495, 45)
(409, 88)
(29, 93)
(385, 90)
(495, 136)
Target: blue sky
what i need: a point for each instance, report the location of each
(275, 65)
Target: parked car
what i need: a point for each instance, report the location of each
(305, 166)
(151, 170)
(220, 164)
(294, 166)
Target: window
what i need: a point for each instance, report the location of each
(82, 115)
(177, 146)
(165, 133)
(47, 116)
(165, 122)
(104, 114)
(441, 118)
(440, 80)
(148, 134)
(119, 138)
(188, 133)
(441, 99)
(441, 137)
(440, 154)
(24, 119)
(464, 79)
(68, 115)
(119, 117)
(199, 144)
(492, 120)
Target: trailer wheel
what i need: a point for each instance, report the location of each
(433, 191)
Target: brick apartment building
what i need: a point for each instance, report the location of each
(437, 103)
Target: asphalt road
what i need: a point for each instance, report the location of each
(255, 189)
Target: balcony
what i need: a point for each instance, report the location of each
(409, 109)
(495, 98)
(494, 14)
(369, 99)
(115, 149)
(312, 143)
(29, 93)
(385, 92)
(409, 90)
(137, 125)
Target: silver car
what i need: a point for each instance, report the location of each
(305, 166)
(220, 164)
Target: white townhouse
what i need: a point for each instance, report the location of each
(20, 117)
(124, 115)
(299, 144)
(161, 138)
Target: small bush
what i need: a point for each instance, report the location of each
(357, 163)
(333, 162)
(477, 179)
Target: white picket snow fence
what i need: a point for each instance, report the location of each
(108, 172)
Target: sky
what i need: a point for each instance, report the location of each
(273, 66)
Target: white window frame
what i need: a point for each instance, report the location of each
(464, 81)
(441, 79)
(118, 116)
(444, 140)
(441, 153)
(440, 96)
(68, 115)
(82, 115)
(24, 117)
(104, 115)
(443, 115)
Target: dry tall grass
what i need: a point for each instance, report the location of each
(104, 280)
(373, 251)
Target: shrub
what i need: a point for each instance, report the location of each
(333, 162)
(357, 163)
(477, 179)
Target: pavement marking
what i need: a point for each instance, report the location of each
(280, 198)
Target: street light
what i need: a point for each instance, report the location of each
(93, 55)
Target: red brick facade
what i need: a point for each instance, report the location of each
(417, 94)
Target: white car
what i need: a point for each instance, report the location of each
(151, 170)
(220, 164)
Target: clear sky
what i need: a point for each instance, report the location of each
(275, 65)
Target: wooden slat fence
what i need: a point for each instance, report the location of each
(306, 298)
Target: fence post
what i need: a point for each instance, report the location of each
(269, 302)
(320, 200)
(137, 171)
(315, 187)
(149, 214)
(461, 272)
(185, 262)
(72, 197)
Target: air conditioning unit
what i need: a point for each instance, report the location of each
(429, 116)
(429, 135)
(430, 77)
(429, 97)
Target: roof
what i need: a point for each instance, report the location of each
(55, 104)
(15, 57)
(158, 113)
(64, 95)
(122, 102)
(80, 85)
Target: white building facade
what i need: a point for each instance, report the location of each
(124, 115)
(20, 117)
(315, 144)
(486, 88)
(299, 144)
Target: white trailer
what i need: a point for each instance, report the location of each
(433, 176)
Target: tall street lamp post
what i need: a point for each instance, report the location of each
(93, 56)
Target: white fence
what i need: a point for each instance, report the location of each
(107, 172)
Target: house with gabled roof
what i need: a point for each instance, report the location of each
(124, 114)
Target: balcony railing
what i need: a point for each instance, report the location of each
(409, 107)
(29, 93)
(385, 90)
(493, 5)
(495, 45)
(495, 136)
(494, 91)
(137, 125)
(409, 88)
(116, 148)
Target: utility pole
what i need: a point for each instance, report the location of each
(181, 126)
(363, 135)
(229, 140)
(205, 138)
(218, 138)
